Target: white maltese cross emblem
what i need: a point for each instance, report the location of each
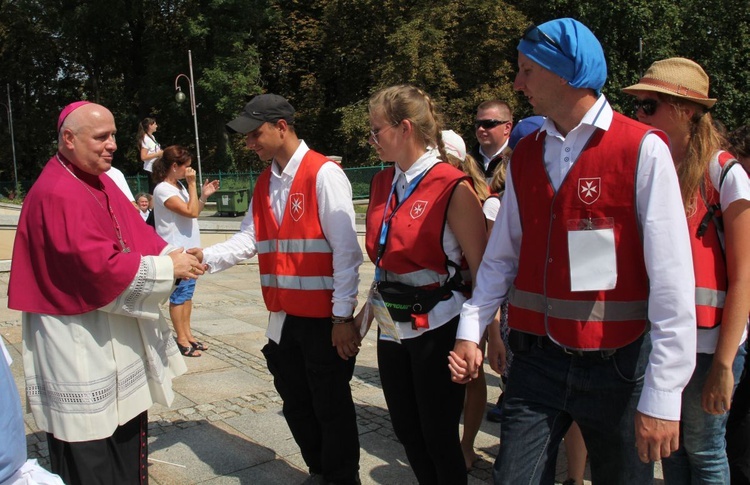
(418, 208)
(296, 205)
(589, 189)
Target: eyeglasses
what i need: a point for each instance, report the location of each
(536, 35)
(647, 105)
(488, 124)
(374, 133)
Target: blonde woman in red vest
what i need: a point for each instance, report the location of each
(673, 96)
(422, 219)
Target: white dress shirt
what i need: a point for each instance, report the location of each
(486, 159)
(119, 179)
(336, 213)
(666, 248)
(490, 208)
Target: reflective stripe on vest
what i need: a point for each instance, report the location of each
(293, 246)
(710, 297)
(423, 277)
(603, 311)
(297, 282)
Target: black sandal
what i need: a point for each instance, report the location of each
(187, 351)
(199, 346)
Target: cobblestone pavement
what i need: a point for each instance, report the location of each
(225, 425)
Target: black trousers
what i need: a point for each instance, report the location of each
(425, 405)
(313, 381)
(119, 459)
(738, 430)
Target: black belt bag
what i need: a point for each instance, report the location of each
(403, 301)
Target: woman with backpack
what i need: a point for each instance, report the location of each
(672, 96)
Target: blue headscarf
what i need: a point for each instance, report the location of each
(581, 61)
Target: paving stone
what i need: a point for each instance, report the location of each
(219, 384)
(207, 452)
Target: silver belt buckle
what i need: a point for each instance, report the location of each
(577, 353)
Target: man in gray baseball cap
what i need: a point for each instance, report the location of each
(264, 108)
(301, 225)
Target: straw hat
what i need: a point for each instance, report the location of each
(678, 77)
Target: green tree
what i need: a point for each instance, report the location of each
(433, 47)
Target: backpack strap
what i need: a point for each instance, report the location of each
(725, 170)
(726, 161)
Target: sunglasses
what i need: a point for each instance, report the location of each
(488, 124)
(537, 36)
(647, 105)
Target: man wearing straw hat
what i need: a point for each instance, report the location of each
(591, 250)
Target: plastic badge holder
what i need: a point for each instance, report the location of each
(388, 328)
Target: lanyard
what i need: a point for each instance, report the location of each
(384, 228)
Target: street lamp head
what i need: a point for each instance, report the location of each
(179, 96)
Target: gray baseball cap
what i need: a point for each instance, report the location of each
(261, 109)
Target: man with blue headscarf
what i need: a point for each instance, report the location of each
(591, 250)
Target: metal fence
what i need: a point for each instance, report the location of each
(8, 189)
(359, 177)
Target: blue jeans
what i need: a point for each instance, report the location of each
(184, 292)
(548, 389)
(702, 456)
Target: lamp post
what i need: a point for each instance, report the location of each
(9, 110)
(180, 97)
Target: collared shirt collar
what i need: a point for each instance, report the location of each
(599, 116)
(490, 158)
(427, 160)
(291, 168)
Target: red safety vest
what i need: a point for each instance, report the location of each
(295, 259)
(709, 262)
(601, 184)
(414, 252)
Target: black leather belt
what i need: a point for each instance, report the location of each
(522, 341)
(544, 342)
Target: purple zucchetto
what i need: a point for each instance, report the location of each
(67, 110)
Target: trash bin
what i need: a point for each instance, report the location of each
(232, 202)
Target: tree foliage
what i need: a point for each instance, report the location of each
(327, 57)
